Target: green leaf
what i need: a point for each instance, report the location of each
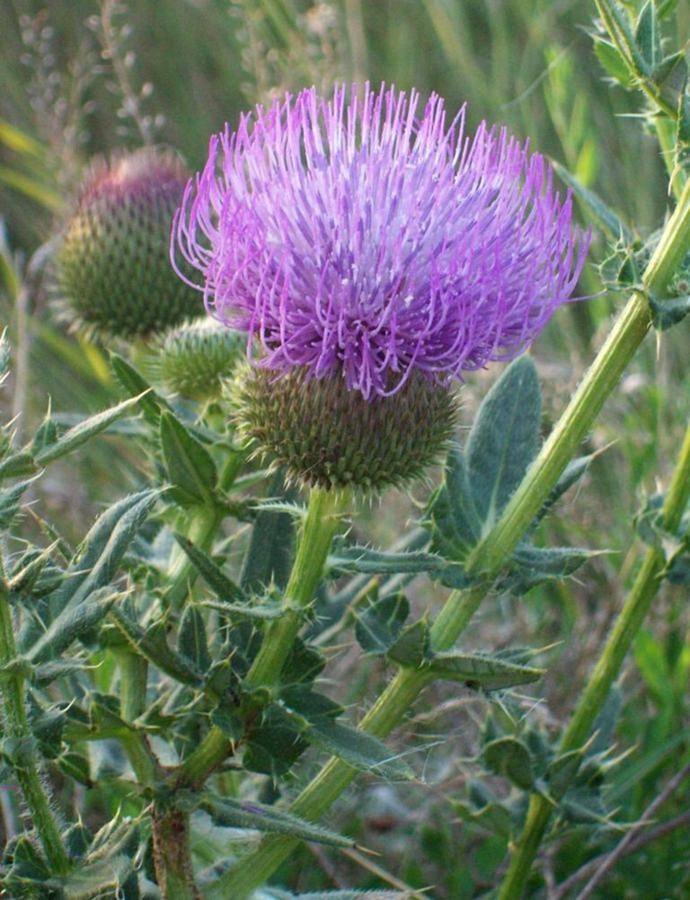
(188, 463)
(603, 216)
(9, 501)
(152, 643)
(303, 664)
(452, 513)
(647, 35)
(81, 433)
(360, 750)
(486, 810)
(269, 556)
(504, 439)
(191, 639)
(618, 24)
(244, 610)
(531, 566)
(613, 62)
(273, 746)
(378, 625)
(562, 771)
(356, 559)
(257, 816)
(478, 670)
(222, 586)
(18, 464)
(669, 312)
(411, 649)
(301, 699)
(103, 548)
(509, 757)
(73, 621)
(150, 403)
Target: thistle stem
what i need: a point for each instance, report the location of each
(316, 534)
(23, 759)
(634, 612)
(171, 855)
(627, 334)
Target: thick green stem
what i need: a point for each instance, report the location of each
(18, 736)
(606, 671)
(599, 381)
(320, 524)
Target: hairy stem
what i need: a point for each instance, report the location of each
(23, 759)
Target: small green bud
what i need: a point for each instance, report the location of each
(193, 359)
(112, 264)
(328, 436)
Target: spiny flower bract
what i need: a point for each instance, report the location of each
(354, 236)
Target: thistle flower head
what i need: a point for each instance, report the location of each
(360, 238)
(112, 264)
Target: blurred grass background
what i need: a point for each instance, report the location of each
(81, 78)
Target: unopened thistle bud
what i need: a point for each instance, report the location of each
(112, 264)
(193, 359)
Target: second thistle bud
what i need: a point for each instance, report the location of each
(331, 437)
(112, 263)
(193, 359)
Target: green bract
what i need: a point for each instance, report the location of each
(331, 437)
(112, 264)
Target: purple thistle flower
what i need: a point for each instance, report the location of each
(352, 236)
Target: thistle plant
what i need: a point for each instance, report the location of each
(365, 253)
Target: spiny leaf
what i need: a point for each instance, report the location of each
(360, 750)
(378, 625)
(222, 586)
(191, 639)
(269, 555)
(81, 433)
(481, 670)
(504, 439)
(235, 814)
(452, 511)
(647, 35)
(104, 547)
(189, 465)
(150, 403)
(509, 757)
(9, 501)
(73, 621)
(152, 644)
